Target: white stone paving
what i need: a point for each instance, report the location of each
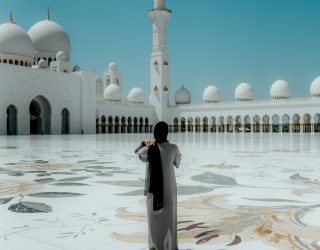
(264, 189)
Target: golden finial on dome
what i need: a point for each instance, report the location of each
(10, 20)
(48, 13)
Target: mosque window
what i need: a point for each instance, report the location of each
(10, 61)
(155, 63)
(0, 60)
(117, 81)
(5, 61)
(21, 63)
(16, 62)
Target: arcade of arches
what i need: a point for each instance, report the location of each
(110, 124)
(247, 124)
(40, 122)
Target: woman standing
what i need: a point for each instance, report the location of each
(161, 188)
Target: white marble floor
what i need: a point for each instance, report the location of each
(238, 191)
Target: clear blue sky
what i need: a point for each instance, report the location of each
(210, 41)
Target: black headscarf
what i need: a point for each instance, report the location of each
(156, 174)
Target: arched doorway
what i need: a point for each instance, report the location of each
(221, 124)
(213, 124)
(190, 124)
(265, 126)
(275, 124)
(135, 125)
(316, 125)
(129, 128)
(12, 120)
(285, 124)
(175, 125)
(205, 124)
(117, 125)
(296, 123)
(103, 124)
(229, 124)
(197, 127)
(247, 124)
(123, 125)
(256, 124)
(65, 128)
(97, 125)
(146, 125)
(140, 125)
(238, 126)
(307, 123)
(183, 124)
(110, 124)
(40, 116)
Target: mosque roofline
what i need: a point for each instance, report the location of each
(257, 102)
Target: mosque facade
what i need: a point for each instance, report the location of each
(42, 93)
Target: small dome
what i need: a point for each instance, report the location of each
(42, 63)
(183, 96)
(76, 68)
(15, 41)
(136, 94)
(280, 90)
(48, 36)
(211, 94)
(61, 56)
(243, 92)
(112, 91)
(113, 66)
(315, 87)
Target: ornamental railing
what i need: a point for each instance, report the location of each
(157, 9)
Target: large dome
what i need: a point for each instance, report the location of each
(243, 92)
(315, 87)
(280, 90)
(112, 91)
(48, 36)
(183, 96)
(136, 95)
(15, 41)
(211, 94)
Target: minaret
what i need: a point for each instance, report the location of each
(159, 95)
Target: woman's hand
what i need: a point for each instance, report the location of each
(148, 143)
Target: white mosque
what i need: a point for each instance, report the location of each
(41, 93)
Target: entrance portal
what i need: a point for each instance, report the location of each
(40, 116)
